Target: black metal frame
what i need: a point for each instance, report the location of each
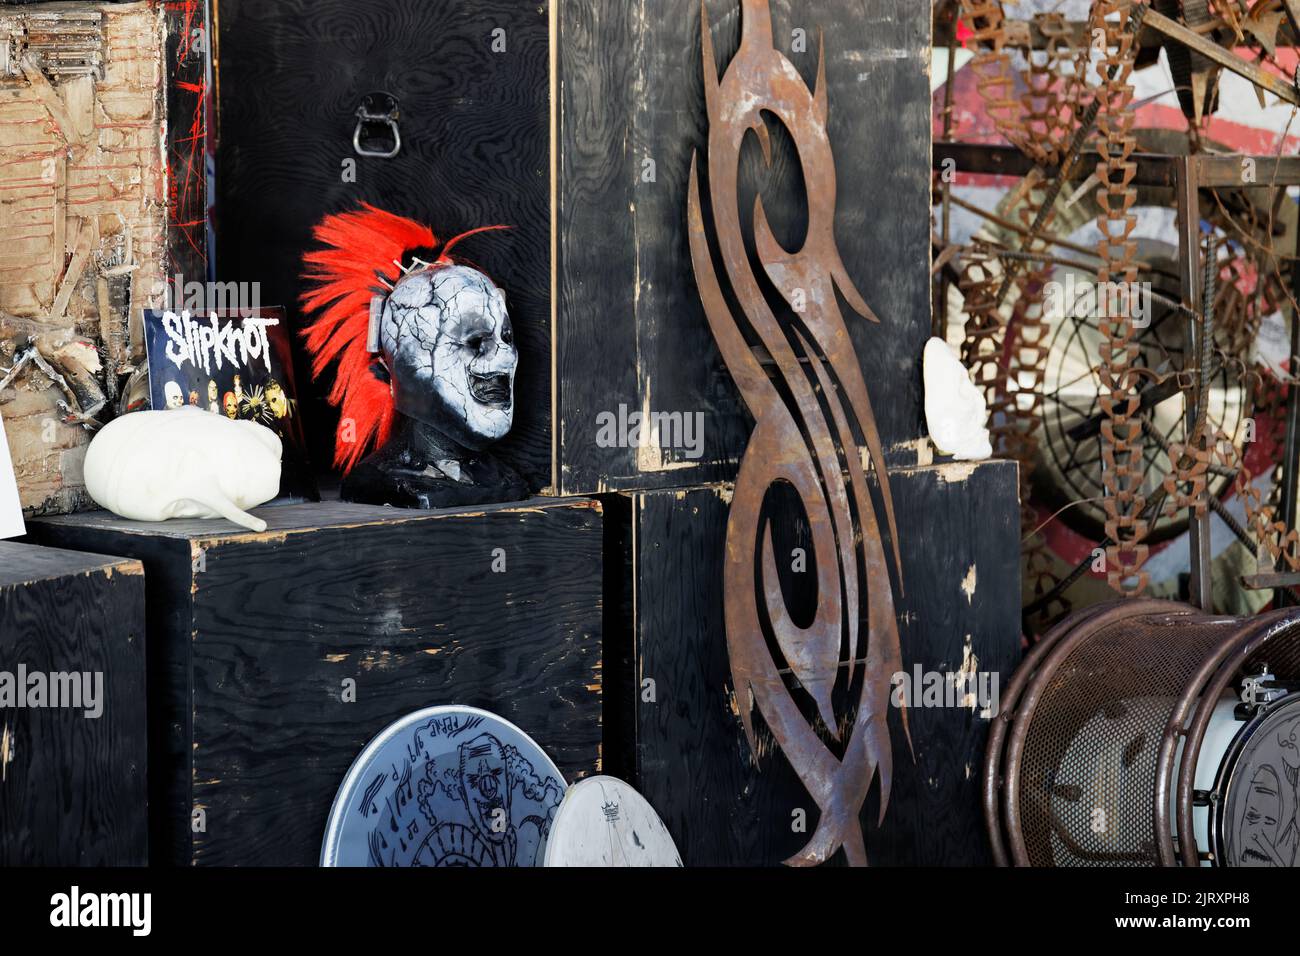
(1187, 176)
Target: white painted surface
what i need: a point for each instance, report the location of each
(11, 509)
(605, 822)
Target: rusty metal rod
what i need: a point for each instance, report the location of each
(1212, 51)
(1047, 237)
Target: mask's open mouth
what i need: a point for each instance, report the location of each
(490, 389)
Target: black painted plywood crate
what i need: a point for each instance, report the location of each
(596, 269)
(72, 750)
(630, 331)
(959, 613)
(470, 80)
(257, 639)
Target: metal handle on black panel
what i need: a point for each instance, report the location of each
(375, 109)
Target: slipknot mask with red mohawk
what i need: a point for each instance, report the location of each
(424, 359)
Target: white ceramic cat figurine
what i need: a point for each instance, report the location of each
(183, 463)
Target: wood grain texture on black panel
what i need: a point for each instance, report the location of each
(726, 804)
(168, 610)
(498, 607)
(72, 782)
(475, 151)
(416, 620)
(959, 526)
(630, 328)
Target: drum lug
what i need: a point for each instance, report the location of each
(1203, 798)
(1259, 690)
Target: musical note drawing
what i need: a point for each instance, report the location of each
(367, 805)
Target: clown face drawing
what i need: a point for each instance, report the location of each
(230, 404)
(485, 785)
(1264, 798)
(175, 397)
(477, 799)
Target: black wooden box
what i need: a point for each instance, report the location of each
(255, 638)
(470, 78)
(958, 529)
(575, 122)
(72, 756)
(630, 333)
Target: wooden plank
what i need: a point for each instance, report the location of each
(168, 609)
(186, 58)
(1228, 172)
(961, 566)
(72, 786)
(630, 329)
(24, 563)
(476, 151)
(77, 265)
(53, 102)
(255, 634)
(281, 520)
(693, 763)
(959, 529)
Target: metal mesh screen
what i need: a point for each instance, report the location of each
(1087, 778)
(1281, 654)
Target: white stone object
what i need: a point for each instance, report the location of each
(955, 410)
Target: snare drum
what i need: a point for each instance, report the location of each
(1132, 724)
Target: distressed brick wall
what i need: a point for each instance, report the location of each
(82, 224)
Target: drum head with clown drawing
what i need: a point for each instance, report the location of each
(1257, 819)
(445, 786)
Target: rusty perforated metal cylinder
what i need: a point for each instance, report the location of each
(1113, 723)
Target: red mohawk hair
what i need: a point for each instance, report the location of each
(362, 257)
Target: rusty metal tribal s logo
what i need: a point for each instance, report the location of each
(811, 417)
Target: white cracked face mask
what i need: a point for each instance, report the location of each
(449, 348)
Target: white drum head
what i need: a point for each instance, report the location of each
(605, 822)
(445, 786)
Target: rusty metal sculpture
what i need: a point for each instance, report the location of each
(804, 435)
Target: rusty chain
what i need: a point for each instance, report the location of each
(1055, 115)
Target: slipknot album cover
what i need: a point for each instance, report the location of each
(239, 366)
